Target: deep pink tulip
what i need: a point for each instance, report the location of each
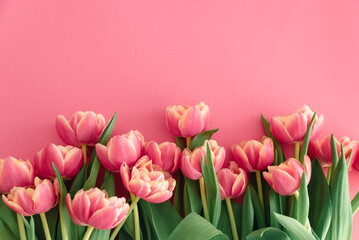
(121, 148)
(166, 155)
(148, 181)
(292, 128)
(32, 200)
(254, 155)
(68, 160)
(285, 178)
(94, 208)
(82, 128)
(232, 181)
(14, 172)
(187, 121)
(191, 161)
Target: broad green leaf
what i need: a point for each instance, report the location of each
(247, 214)
(192, 198)
(129, 226)
(237, 212)
(78, 182)
(52, 218)
(100, 234)
(355, 203)
(30, 228)
(178, 193)
(320, 207)
(269, 233)
(303, 201)
(274, 207)
(109, 184)
(224, 223)
(180, 143)
(294, 229)
(277, 147)
(306, 139)
(9, 218)
(5, 231)
(258, 211)
(200, 138)
(195, 227)
(335, 158)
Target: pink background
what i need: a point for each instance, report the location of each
(136, 57)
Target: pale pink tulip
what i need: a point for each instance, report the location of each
(191, 161)
(148, 181)
(126, 148)
(94, 208)
(68, 160)
(166, 155)
(254, 155)
(285, 178)
(32, 200)
(14, 172)
(186, 120)
(292, 128)
(232, 181)
(82, 128)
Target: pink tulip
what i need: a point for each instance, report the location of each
(14, 172)
(254, 155)
(68, 161)
(187, 121)
(82, 128)
(232, 181)
(32, 200)
(121, 148)
(166, 155)
(148, 181)
(94, 208)
(191, 161)
(285, 178)
(354, 145)
(292, 128)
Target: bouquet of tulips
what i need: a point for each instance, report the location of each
(124, 187)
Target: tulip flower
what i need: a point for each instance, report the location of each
(83, 128)
(285, 178)
(355, 157)
(191, 161)
(232, 181)
(148, 181)
(166, 155)
(94, 208)
(126, 148)
(68, 161)
(14, 172)
(254, 155)
(187, 121)
(292, 128)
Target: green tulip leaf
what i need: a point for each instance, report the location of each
(258, 211)
(5, 231)
(269, 233)
(294, 229)
(274, 207)
(335, 158)
(355, 203)
(306, 139)
(109, 184)
(9, 218)
(247, 214)
(303, 201)
(180, 143)
(78, 182)
(200, 138)
(178, 193)
(192, 197)
(30, 228)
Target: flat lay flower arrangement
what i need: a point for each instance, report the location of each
(183, 189)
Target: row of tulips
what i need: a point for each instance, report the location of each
(70, 176)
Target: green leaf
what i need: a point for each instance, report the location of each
(224, 223)
(30, 228)
(200, 138)
(294, 229)
(213, 194)
(9, 218)
(178, 194)
(269, 233)
(306, 139)
(109, 184)
(100, 234)
(335, 158)
(78, 182)
(129, 226)
(320, 206)
(247, 214)
(5, 231)
(274, 207)
(192, 198)
(355, 203)
(195, 227)
(258, 211)
(237, 212)
(303, 201)
(180, 143)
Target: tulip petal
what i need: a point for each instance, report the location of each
(104, 218)
(85, 131)
(64, 130)
(280, 132)
(191, 122)
(283, 183)
(159, 197)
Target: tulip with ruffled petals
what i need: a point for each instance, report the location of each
(68, 161)
(148, 181)
(83, 128)
(14, 172)
(191, 161)
(292, 128)
(166, 155)
(94, 208)
(285, 178)
(232, 181)
(126, 148)
(186, 120)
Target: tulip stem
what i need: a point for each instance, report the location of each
(84, 151)
(118, 228)
(296, 150)
(136, 219)
(188, 141)
(259, 187)
(21, 225)
(88, 233)
(62, 222)
(204, 199)
(329, 174)
(45, 226)
(231, 219)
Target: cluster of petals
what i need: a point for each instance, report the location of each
(15, 172)
(167, 155)
(232, 181)
(33, 199)
(82, 128)
(254, 155)
(148, 181)
(94, 208)
(125, 148)
(68, 160)
(292, 128)
(186, 120)
(285, 178)
(191, 161)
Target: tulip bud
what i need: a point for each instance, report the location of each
(232, 181)
(166, 155)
